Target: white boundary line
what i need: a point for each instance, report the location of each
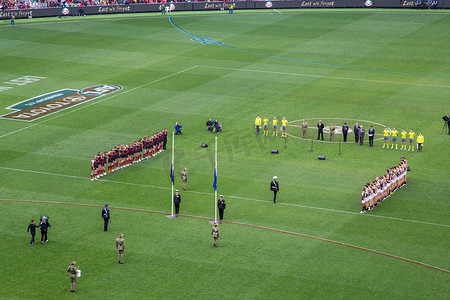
(277, 11)
(234, 197)
(326, 76)
(242, 224)
(97, 102)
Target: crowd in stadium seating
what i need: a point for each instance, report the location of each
(382, 187)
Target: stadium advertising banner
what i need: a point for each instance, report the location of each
(239, 5)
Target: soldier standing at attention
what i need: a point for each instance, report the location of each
(274, 188)
(73, 275)
(32, 230)
(120, 246)
(221, 206)
(332, 131)
(305, 129)
(345, 131)
(177, 201)
(215, 234)
(184, 177)
(258, 124)
(356, 131)
(106, 217)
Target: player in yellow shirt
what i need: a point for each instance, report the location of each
(411, 136)
(284, 123)
(386, 133)
(275, 126)
(258, 124)
(420, 140)
(394, 134)
(266, 126)
(404, 134)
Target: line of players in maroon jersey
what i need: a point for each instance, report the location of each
(382, 187)
(123, 156)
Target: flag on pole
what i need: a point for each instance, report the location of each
(215, 179)
(172, 174)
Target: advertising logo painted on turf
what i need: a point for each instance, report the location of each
(40, 106)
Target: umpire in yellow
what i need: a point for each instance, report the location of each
(73, 275)
(120, 246)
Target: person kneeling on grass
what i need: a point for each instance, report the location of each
(218, 126)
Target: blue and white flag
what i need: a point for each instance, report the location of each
(215, 179)
(172, 174)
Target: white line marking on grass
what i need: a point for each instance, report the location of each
(277, 11)
(97, 102)
(325, 76)
(242, 224)
(229, 196)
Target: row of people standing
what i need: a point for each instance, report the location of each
(123, 156)
(382, 187)
(265, 123)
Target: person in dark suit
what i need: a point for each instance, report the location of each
(274, 187)
(221, 206)
(362, 133)
(32, 230)
(320, 127)
(371, 135)
(345, 131)
(164, 139)
(356, 131)
(177, 201)
(106, 217)
(44, 228)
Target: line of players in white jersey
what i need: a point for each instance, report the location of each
(382, 187)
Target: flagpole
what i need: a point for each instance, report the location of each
(172, 176)
(215, 190)
(173, 167)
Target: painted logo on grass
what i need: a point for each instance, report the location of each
(40, 106)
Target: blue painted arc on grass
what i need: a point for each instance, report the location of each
(209, 41)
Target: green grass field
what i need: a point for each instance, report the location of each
(380, 67)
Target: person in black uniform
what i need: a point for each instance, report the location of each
(221, 206)
(320, 127)
(44, 228)
(356, 131)
(345, 131)
(274, 188)
(362, 133)
(32, 230)
(164, 139)
(177, 201)
(106, 217)
(371, 135)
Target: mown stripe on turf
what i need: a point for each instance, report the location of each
(307, 61)
(242, 224)
(229, 196)
(99, 101)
